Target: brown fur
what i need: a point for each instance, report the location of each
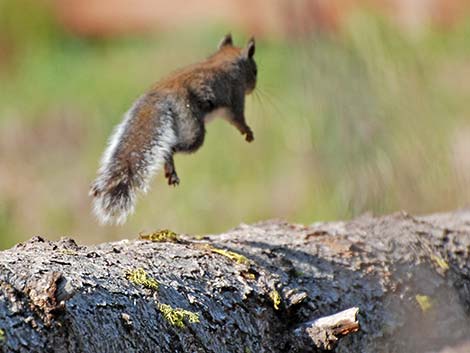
(171, 118)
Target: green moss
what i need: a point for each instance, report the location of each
(231, 255)
(2, 335)
(424, 302)
(68, 252)
(248, 275)
(162, 235)
(276, 298)
(440, 262)
(177, 316)
(140, 277)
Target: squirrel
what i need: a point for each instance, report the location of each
(171, 118)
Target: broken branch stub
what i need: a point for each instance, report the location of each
(324, 333)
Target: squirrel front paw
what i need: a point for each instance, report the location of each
(173, 179)
(249, 136)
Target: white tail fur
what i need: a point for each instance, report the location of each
(116, 188)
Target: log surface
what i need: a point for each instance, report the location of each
(409, 277)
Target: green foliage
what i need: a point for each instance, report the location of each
(369, 119)
(28, 24)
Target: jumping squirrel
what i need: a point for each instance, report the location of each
(170, 118)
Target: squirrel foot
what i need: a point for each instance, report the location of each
(170, 172)
(249, 136)
(173, 179)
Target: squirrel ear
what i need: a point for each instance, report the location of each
(249, 50)
(227, 40)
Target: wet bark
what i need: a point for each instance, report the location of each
(268, 286)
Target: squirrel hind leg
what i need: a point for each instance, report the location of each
(170, 171)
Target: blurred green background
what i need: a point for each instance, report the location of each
(367, 118)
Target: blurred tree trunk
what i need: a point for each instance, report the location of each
(409, 277)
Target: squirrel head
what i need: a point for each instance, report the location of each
(245, 59)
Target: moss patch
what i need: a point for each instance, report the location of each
(68, 252)
(140, 277)
(177, 316)
(424, 302)
(440, 262)
(276, 298)
(163, 235)
(231, 255)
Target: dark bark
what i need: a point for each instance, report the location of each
(409, 277)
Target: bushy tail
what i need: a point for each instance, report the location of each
(136, 150)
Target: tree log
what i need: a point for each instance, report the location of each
(258, 288)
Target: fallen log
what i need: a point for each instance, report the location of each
(267, 287)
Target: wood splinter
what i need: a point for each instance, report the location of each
(324, 333)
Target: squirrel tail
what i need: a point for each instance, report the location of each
(136, 151)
